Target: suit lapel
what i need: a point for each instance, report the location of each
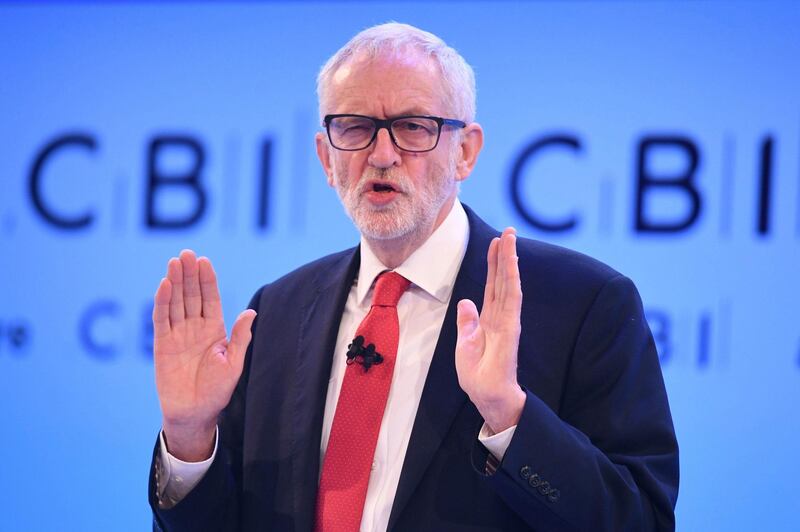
(318, 333)
(442, 397)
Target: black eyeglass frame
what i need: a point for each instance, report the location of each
(381, 123)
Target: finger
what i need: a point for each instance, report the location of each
(491, 274)
(466, 318)
(175, 275)
(161, 308)
(469, 345)
(241, 335)
(212, 305)
(512, 287)
(191, 284)
(512, 300)
(505, 253)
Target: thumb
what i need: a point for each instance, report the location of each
(241, 335)
(466, 319)
(469, 345)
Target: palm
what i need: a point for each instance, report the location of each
(486, 351)
(187, 364)
(196, 366)
(483, 356)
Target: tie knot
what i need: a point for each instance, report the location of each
(388, 288)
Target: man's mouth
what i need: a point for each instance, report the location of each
(381, 193)
(382, 188)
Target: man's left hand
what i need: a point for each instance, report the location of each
(486, 350)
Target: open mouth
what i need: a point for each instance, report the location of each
(383, 187)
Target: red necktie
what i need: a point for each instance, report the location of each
(359, 411)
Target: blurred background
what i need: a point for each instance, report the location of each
(662, 137)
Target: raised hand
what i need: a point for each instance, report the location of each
(197, 367)
(486, 350)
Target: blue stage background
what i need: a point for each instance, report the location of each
(129, 131)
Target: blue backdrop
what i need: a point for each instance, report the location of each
(660, 137)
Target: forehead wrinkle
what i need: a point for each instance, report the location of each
(409, 102)
(349, 92)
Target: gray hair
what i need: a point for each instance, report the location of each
(458, 77)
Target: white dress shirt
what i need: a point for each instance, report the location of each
(432, 270)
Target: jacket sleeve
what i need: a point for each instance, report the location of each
(213, 504)
(608, 458)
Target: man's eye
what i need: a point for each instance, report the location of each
(354, 129)
(413, 127)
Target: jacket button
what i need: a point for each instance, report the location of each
(525, 472)
(544, 487)
(534, 480)
(554, 495)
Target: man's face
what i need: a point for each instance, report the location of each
(389, 193)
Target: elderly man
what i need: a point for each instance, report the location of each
(403, 384)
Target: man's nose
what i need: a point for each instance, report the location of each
(384, 154)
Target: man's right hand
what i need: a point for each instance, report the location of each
(197, 367)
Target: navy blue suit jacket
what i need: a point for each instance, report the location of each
(594, 449)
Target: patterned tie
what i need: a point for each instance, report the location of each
(359, 411)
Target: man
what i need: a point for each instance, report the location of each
(428, 397)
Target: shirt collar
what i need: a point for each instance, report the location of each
(432, 267)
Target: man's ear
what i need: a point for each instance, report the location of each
(471, 144)
(324, 154)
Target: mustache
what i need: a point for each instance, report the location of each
(397, 178)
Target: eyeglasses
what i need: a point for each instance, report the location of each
(409, 133)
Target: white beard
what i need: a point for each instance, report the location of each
(413, 211)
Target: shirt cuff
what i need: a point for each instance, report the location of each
(176, 478)
(496, 443)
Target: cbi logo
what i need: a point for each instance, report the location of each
(683, 184)
(163, 182)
